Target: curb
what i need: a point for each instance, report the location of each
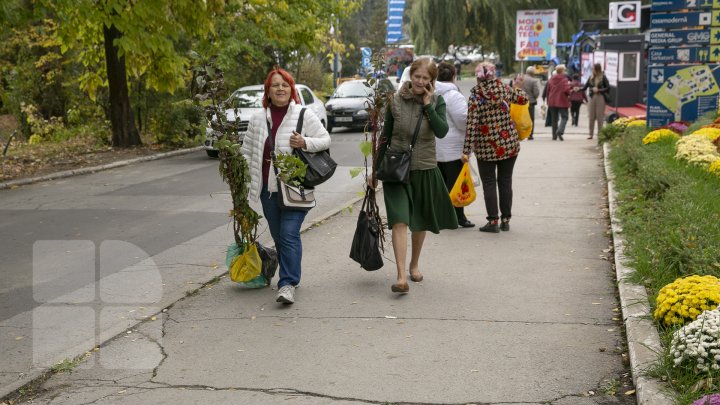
(93, 169)
(642, 337)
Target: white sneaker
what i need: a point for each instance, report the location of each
(286, 294)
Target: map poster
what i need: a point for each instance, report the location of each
(681, 92)
(536, 35)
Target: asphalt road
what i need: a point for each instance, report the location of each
(152, 206)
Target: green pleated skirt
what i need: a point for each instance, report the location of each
(424, 204)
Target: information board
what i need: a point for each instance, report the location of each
(684, 19)
(536, 35)
(611, 67)
(672, 5)
(701, 54)
(681, 92)
(685, 37)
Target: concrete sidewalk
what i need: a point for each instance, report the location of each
(528, 316)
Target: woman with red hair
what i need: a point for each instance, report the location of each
(273, 129)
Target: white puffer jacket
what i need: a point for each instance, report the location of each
(315, 134)
(450, 147)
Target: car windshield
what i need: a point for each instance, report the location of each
(246, 99)
(352, 89)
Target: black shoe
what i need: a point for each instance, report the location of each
(531, 138)
(491, 226)
(505, 225)
(466, 224)
(561, 138)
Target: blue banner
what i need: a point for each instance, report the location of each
(685, 37)
(681, 92)
(395, 21)
(695, 54)
(672, 5)
(683, 20)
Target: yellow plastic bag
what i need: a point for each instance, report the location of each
(463, 191)
(246, 266)
(520, 115)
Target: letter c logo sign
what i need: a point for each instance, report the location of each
(627, 13)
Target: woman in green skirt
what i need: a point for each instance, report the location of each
(423, 204)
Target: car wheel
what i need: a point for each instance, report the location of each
(212, 153)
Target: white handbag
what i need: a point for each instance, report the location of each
(295, 198)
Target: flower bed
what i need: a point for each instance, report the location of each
(668, 185)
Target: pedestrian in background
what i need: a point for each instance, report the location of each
(449, 149)
(531, 87)
(423, 204)
(491, 135)
(269, 130)
(599, 95)
(558, 101)
(577, 98)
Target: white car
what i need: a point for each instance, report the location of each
(247, 100)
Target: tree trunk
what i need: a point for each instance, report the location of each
(124, 132)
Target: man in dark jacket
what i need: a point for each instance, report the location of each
(558, 101)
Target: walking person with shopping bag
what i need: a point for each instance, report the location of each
(491, 135)
(271, 130)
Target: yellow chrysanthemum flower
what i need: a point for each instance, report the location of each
(695, 293)
(714, 167)
(656, 135)
(637, 123)
(711, 133)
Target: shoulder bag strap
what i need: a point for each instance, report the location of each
(298, 128)
(417, 130)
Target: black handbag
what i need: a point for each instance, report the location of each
(365, 248)
(320, 166)
(395, 165)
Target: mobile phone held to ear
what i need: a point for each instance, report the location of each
(428, 86)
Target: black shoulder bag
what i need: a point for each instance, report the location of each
(320, 166)
(395, 166)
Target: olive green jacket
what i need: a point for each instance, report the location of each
(400, 120)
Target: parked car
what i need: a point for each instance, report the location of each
(246, 101)
(347, 105)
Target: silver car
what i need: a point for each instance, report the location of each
(247, 100)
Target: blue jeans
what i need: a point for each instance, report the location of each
(285, 230)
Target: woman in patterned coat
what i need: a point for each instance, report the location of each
(491, 135)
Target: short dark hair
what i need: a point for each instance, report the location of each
(446, 71)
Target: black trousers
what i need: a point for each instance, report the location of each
(575, 111)
(496, 177)
(450, 172)
(531, 107)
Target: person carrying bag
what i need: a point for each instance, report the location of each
(271, 129)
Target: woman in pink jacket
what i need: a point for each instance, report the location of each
(558, 100)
